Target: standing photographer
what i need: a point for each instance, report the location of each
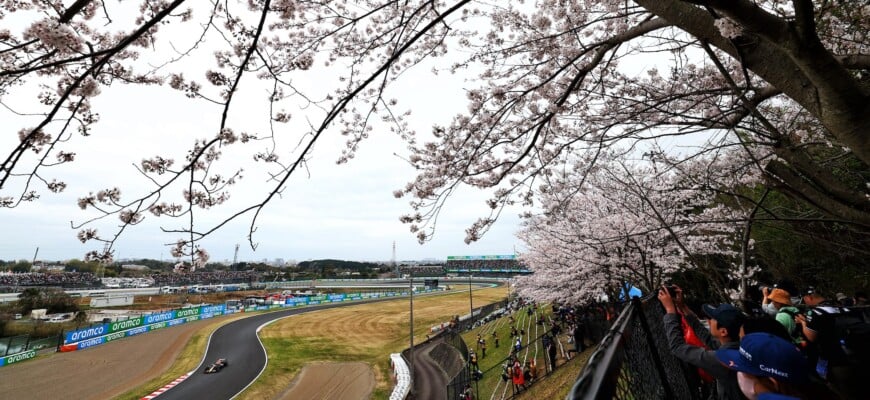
(785, 313)
(725, 322)
(841, 361)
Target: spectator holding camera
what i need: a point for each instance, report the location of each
(786, 286)
(785, 312)
(842, 358)
(725, 322)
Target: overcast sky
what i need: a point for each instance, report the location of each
(339, 211)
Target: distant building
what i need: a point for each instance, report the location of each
(48, 267)
(135, 267)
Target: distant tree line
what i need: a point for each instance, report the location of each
(313, 269)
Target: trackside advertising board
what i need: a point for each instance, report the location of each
(15, 358)
(140, 322)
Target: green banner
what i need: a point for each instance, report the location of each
(186, 312)
(20, 357)
(125, 324)
(115, 336)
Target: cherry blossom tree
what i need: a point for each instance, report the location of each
(557, 81)
(631, 225)
(737, 73)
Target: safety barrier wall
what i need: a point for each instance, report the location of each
(140, 325)
(403, 377)
(16, 358)
(145, 321)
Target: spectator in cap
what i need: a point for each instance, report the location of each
(785, 312)
(769, 367)
(784, 292)
(844, 300)
(725, 325)
(847, 376)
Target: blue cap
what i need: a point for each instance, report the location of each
(727, 316)
(765, 355)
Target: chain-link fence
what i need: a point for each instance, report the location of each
(479, 316)
(21, 343)
(457, 383)
(633, 361)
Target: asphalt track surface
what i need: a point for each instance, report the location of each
(246, 357)
(430, 381)
(238, 343)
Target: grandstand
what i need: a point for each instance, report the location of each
(495, 266)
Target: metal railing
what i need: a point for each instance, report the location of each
(633, 361)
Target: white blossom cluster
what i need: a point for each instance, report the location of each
(728, 28)
(54, 35)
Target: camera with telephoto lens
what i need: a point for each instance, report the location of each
(672, 290)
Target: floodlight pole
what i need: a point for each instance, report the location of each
(470, 301)
(411, 297)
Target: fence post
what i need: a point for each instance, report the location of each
(669, 393)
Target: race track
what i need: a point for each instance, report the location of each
(246, 357)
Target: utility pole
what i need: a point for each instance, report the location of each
(411, 286)
(33, 263)
(393, 261)
(470, 301)
(101, 268)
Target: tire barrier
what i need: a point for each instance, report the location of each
(402, 375)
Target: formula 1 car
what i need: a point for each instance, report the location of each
(216, 367)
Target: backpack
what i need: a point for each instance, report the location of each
(852, 327)
(851, 330)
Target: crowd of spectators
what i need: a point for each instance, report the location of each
(479, 267)
(796, 344)
(205, 277)
(484, 267)
(504, 263)
(12, 282)
(59, 279)
(422, 270)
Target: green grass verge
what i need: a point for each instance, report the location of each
(555, 385)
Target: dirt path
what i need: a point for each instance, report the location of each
(332, 381)
(111, 369)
